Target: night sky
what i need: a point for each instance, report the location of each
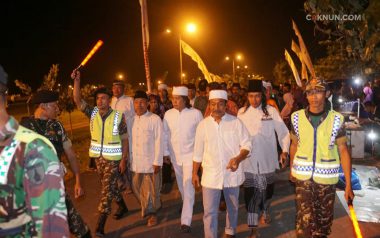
(36, 34)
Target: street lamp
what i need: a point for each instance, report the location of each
(120, 76)
(237, 57)
(190, 28)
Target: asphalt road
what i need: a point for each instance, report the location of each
(282, 214)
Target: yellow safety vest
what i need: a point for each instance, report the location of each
(317, 153)
(23, 135)
(105, 138)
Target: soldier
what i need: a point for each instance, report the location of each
(109, 145)
(318, 149)
(44, 123)
(32, 198)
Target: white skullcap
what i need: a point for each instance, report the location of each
(162, 86)
(180, 91)
(267, 84)
(218, 94)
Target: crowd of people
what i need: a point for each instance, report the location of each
(215, 138)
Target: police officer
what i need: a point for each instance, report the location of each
(31, 181)
(318, 149)
(109, 145)
(44, 123)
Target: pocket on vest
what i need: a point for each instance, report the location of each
(328, 160)
(114, 143)
(301, 157)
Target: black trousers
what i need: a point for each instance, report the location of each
(166, 173)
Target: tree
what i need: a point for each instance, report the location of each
(353, 39)
(25, 89)
(282, 72)
(337, 64)
(51, 78)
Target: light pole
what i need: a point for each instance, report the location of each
(190, 28)
(237, 57)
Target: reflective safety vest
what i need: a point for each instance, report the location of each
(105, 138)
(18, 215)
(317, 154)
(23, 135)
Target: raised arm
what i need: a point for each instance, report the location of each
(77, 97)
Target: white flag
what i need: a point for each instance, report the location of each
(305, 54)
(293, 67)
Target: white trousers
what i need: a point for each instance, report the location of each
(183, 174)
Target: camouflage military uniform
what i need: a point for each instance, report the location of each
(55, 132)
(315, 208)
(108, 170)
(315, 202)
(32, 195)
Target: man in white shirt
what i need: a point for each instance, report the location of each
(124, 104)
(221, 143)
(180, 124)
(145, 142)
(263, 123)
(120, 101)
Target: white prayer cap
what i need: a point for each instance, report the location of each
(162, 86)
(180, 91)
(218, 94)
(267, 84)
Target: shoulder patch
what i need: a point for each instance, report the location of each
(36, 173)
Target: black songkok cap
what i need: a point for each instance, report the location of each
(45, 96)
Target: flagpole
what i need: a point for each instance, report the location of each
(233, 70)
(145, 39)
(180, 58)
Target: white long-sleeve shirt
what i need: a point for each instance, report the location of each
(179, 133)
(215, 145)
(123, 104)
(264, 157)
(145, 142)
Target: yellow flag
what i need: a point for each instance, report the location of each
(304, 52)
(194, 56)
(293, 67)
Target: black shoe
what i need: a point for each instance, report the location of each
(121, 211)
(100, 225)
(87, 235)
(230, 236)
(185, 229)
